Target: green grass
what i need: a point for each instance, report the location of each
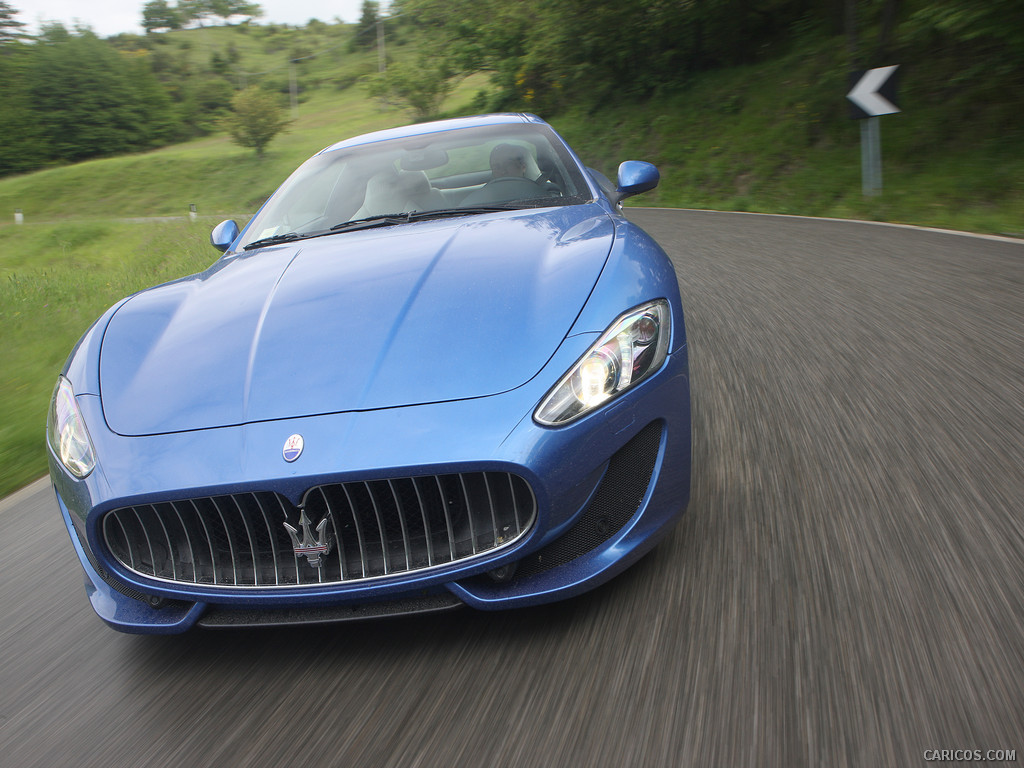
(776, 138)
(772, 137)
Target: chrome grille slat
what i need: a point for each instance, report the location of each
(252, 544)
(227, 536)
(209, 540)
(359, 531)
(270, 536)
(431, 559)
(381, 533)
(170, 546)
(149, 543)
(515, 506)
(337, 534)
(447, 519)
(372, 529)
(294, 560)
(469, 513)
(124, 534)
(401, 520)
(490, 507)
(188, 541)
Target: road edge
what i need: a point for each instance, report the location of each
(10, 502)
(980, 236)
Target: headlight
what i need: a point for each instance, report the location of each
(65, 429)
(632, 348)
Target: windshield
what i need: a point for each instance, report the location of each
(457, 172)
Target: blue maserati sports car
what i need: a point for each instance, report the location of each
(438, 368)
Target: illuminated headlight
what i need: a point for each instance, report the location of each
(65, 429)
(632, 348)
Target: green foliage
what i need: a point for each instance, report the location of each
(421, 86)
(255, 119)
(10, 27)
(90, 100)
(200, 10)
(366, 29)
(774, 137)
(23, 146)
(545, 55)
(993, 30)
(158, 14)
(68, 95)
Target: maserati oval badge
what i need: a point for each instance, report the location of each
(292, 448)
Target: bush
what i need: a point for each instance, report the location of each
(256, 118)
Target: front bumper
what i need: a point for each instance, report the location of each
(588, 527)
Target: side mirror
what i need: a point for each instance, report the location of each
(224, 235)
(635, 176)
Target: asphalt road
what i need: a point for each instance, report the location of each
(846, 588)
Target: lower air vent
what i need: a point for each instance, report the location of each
(617, 499)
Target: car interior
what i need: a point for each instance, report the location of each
(438, 172)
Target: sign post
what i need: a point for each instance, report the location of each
(870, 157)
(873, 94)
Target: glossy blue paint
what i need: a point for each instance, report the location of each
(635, 177)
(419, 348)
(223, 235)
(223, 348)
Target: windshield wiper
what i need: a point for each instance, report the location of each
(382, 220)
(389, 219)
(371, 221)
(285, 237)
(441, 213)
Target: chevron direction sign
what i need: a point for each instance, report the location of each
(873, 93)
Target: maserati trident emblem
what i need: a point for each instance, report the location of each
(314, 550)
(292, 448)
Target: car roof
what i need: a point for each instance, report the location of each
(422, 129)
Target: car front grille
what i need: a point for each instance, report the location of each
(340, 533)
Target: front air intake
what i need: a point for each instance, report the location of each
(340, 533)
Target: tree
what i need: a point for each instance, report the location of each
(23, 147)
(194, 10)
(198, 10)
(366, 29)
(256, 118)
(157, 14)
(10, 27)
(421, 87)
(228, 8)
(91, 100)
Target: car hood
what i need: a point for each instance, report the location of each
(416, 313)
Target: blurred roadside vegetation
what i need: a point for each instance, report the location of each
(739, 102)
